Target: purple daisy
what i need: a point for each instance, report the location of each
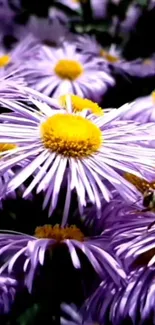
(141, 110)
(12, 86)
(74, 5)
(141, 251)
(63, 70)
(8, 288)
(24, 50)
(88, 45)
(7, 175)
(112, 57)
(76, 318)
(132, 16)
(76, 150)
(27, 254)
(134, 303)
(97, 306)
(99, 8)
(138, 67)
(47, 31)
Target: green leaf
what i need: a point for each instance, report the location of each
(28, 317)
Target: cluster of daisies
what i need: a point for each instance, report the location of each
(91, 171)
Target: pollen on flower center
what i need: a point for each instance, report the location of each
(141, 184)
(153, 96)
(68, 69)
(108, 56)
(7, 146)
(71, 135)
(58, 233)
(4, 60)
(79, 104)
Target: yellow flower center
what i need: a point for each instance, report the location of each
(147, 61)
(7, 146)
(141, 184)
(71, 135)
(4, 60)
(153, 96)
(78, 1)
(79, 104)
(58, 233)
(68, 69)
(108, 56)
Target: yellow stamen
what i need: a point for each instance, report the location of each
(147, 61)
(79, 1)
(4, 60)
(108, 56)
(58, 233)
(68, 69)
(141, 184)
(79, 104)
(71, 135)
(7, 146)
(153, 96)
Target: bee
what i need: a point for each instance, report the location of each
(149, 200)
(147, 190)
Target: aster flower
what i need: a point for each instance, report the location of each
(22, 51)
(141, 110)
(54, 13)
(48, 31)
(88, 44)
(138, 68)
(124, 223)
(141, 251)
(24, 253)
(132, 16)
(8, 288)
(7, 175)
(112, 57)
(63, 70)
(76, 318)
(12, 86)
(99, 8)
(72, 148)
(97, 306)
(74, 5)
(6, 14)
(134, 303)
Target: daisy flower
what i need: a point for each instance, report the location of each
(134, 303)
(7, 175)
(96, 307)
(132, 16)
(88, 45)
(63, 70)
(141, 110)
(131, 304)
(74, 150)
(22, 51)
(98, 7)
(76, 318)
(72, 4)
(8, 288)
(25, 255)
(12, 86)
(140, 67)
(48, 31)
(112, 57)
(141, 251)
